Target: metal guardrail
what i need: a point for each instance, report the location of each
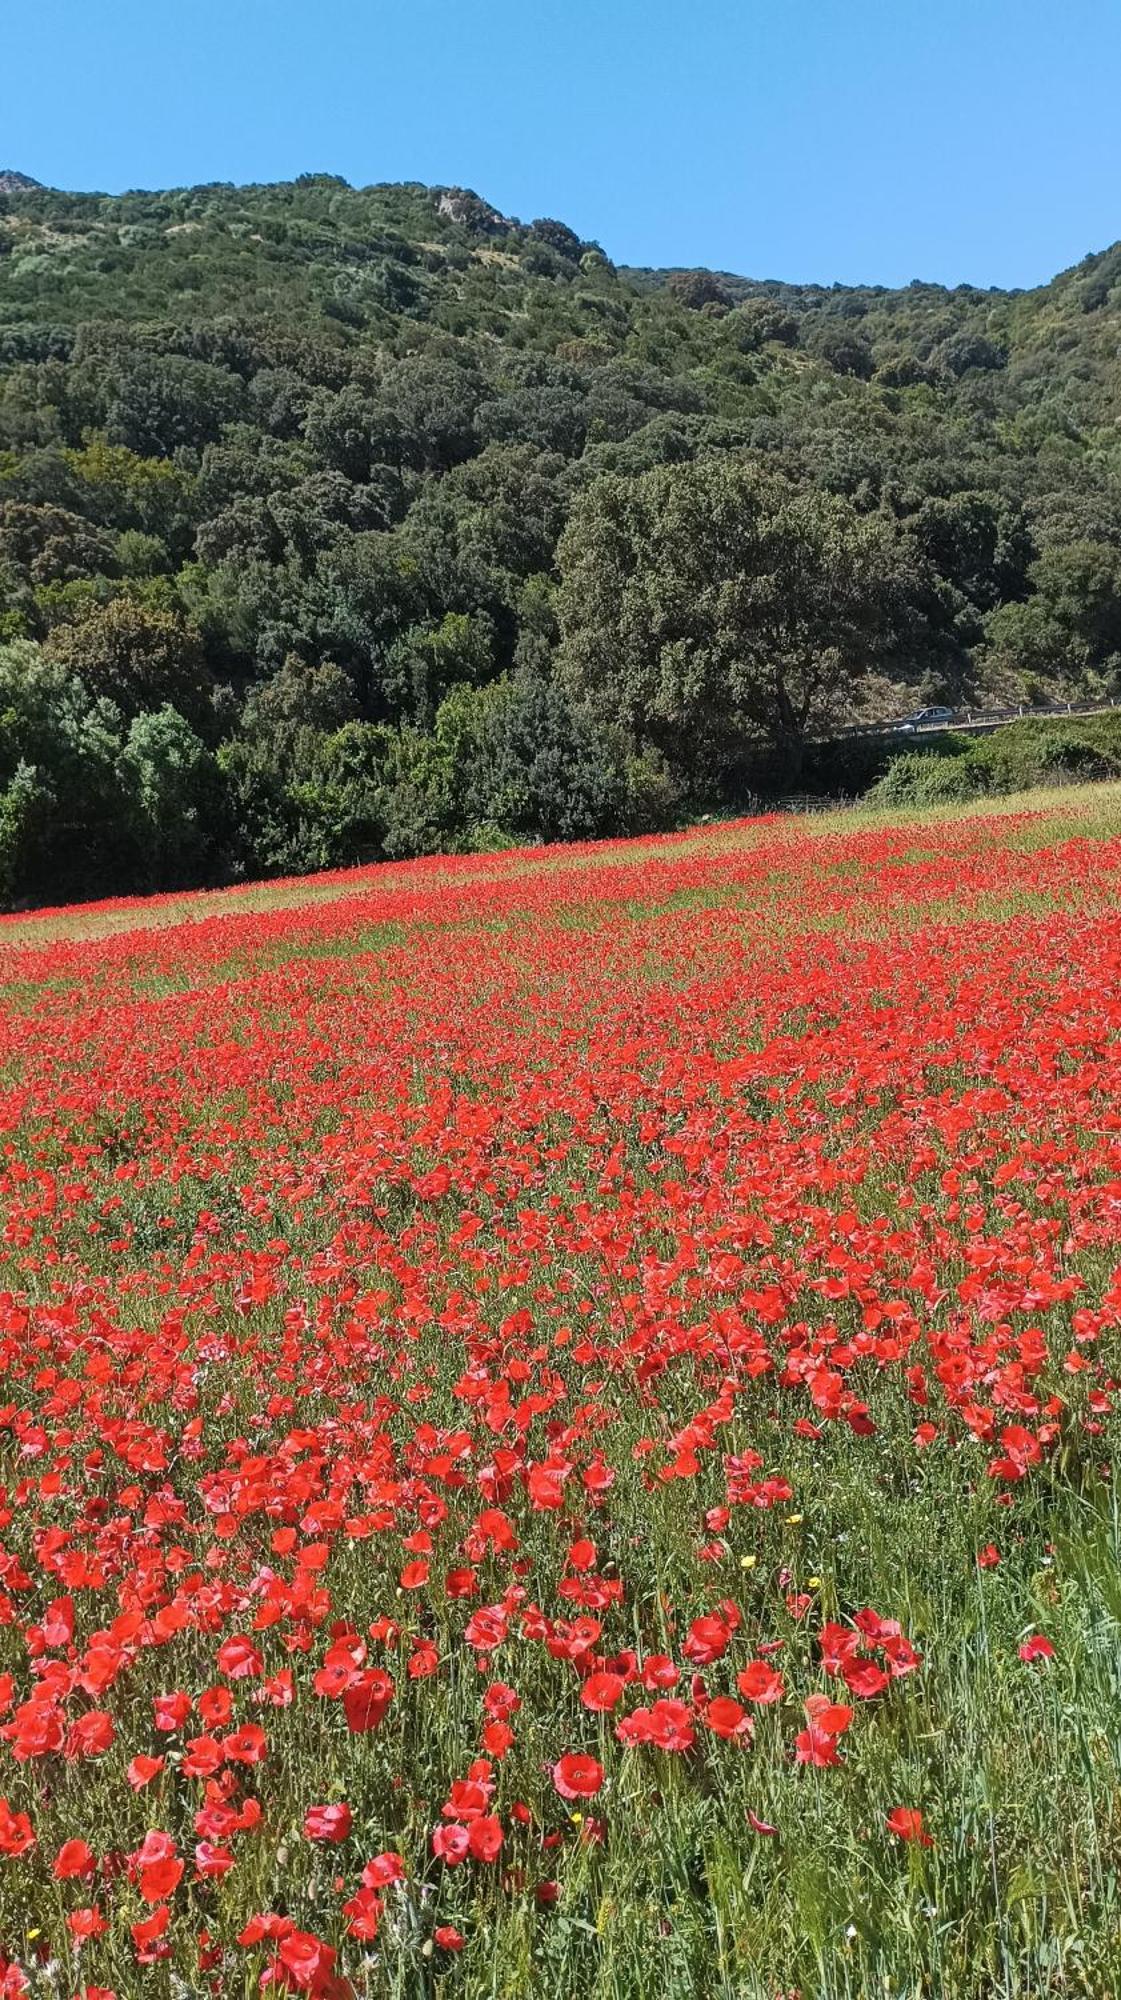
(970, 719)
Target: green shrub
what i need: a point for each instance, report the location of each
(1034, 752)
(1071, 755)
(920, 778)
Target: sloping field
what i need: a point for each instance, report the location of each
(558, 1419)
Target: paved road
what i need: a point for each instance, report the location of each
(975, 721)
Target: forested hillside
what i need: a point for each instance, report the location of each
(337, 523)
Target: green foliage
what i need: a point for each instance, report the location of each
(282, 789)
(26, 808)
(638, 539)
(524, 760)
(430, 659)
(1030, 753)
(710, 606)
(52, 545)
(136, 657)
(118, 488)
(68, 823)
(1011, 759)
(417, 797)
(343, 799)
(176, 792)
(155, 404)
(922, 778)
(1068, 633)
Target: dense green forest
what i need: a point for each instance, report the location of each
(338, 523)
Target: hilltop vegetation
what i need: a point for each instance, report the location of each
(337, 523)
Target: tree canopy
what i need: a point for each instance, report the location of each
(430, 527)
(710, 606)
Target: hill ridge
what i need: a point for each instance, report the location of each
(343, 521)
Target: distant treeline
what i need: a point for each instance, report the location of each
(344, 523)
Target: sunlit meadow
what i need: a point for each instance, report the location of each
(558, 1419)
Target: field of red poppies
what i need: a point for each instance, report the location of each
(557, 1424)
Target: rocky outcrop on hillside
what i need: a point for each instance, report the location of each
(469, 211)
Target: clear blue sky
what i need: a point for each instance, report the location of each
(859, 140)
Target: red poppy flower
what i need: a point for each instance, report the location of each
(91, 1735)
(484, 1838)
(366, 1700)
(832, 1718)
(726, 1718)
(156, 1866)
(383, 1869)
(171, 1711)
(328, 1823)
(450, 1844)
(706, 1641)
(215, 1706)
(577, 1776)
(498, 1739)
(760, 1683)
(142, 1770)
(148, 1936)
(247, 1745)
(17, 1836)
(1037, 1647)
(239, 1658)
(601, 1692)
(307, 1962)
(212, 1861)
(85, 1924)
(75, 1859)
(816, 1746)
